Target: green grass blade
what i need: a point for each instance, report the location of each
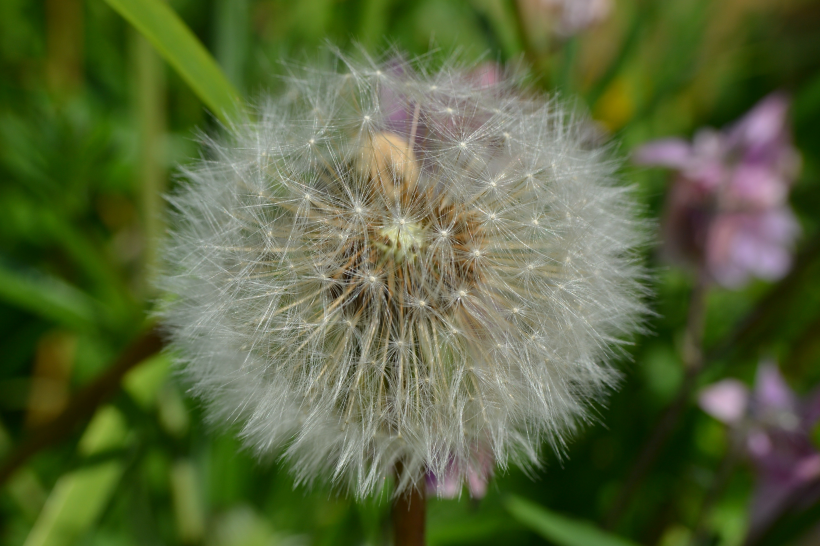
(48, 297)
(79, 497)
(178, 45)
(24, 487)
(470, 530)
(560, 530)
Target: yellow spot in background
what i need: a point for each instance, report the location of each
(53, 363)
(615, 107)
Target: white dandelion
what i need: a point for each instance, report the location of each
(401, 268)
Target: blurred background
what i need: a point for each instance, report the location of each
(713, 437)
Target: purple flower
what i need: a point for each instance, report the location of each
(569, 17)
(404, 116)
(775, 428)
(487, 74)
(727, 210)
(478, 473)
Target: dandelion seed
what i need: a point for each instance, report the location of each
(387, 337)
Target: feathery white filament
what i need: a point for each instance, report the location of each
(392, 265)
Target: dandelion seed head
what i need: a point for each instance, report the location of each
(348, 305)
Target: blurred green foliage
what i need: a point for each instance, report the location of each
(92, 126)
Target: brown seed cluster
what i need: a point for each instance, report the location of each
(382, 263)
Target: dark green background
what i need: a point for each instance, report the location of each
(93, 125)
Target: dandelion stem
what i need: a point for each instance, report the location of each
(409, 512)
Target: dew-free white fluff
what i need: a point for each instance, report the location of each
(392, 264)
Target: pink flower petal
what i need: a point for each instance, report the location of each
(447, 486)
(477, 483)
(487, 75)
(811, 408)
(739, 245)
(771, 391)
(672, 152)
(721, 252)
(764, 124)
(808, 468)
(756, 185)
(759, 444)
(726, 400)
(761, 246)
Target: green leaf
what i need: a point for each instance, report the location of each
(24, 487)
(470, 530)
(144, 382)
(815, 435)
(187, 501)
(48, 297)
(178, 45)
(561, 530)
(499, 16)
(79, 497)
(807, 101)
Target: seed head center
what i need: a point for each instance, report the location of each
(402, 239)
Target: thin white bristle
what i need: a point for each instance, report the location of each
(395, 265)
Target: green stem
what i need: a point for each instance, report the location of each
(83, 405)
(538, 62)
(692, 363)
(150, 114)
